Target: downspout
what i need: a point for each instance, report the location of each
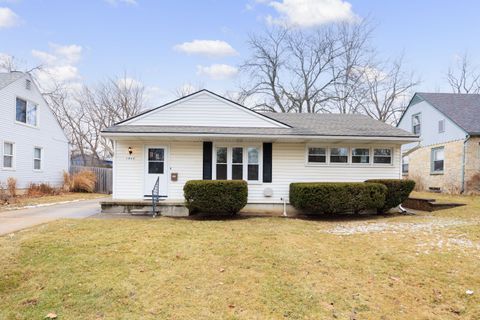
(463, 162)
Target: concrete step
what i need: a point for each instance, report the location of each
(143, 212)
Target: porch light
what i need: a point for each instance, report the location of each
(130, 151)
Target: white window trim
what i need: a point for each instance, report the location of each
(349, 163)
(14, 153)
(41, 159)
(25, 123)
(245, 147)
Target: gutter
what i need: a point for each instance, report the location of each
(463, 163)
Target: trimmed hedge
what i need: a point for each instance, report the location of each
(398, 191)
(215, 196)
(337, 197)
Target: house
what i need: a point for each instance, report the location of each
(206, 136)
(88, 160)
(448, 156)
(33, 146)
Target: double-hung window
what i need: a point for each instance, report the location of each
(237, 163)
(361, 155)
(416, 124)
(382, 156)
(317, 155)
(8, 155)
(26, 112)
(438, 156)
(405, 164)
(37, 158)
(339, 155)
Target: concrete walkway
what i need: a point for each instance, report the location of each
(11, 221)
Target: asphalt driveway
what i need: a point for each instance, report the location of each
(11, 221)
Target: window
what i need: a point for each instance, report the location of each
(28, 84)
(438, 155)
(37, 158)
(237, 163)
(441, 126)
(339, 155)
(221, 163)
(26, 112)
(360, 155)
(317, 155)
(8, 155)
(382, 156)
(253, 164)
(416, 123)
(405, 164)
(155, 160)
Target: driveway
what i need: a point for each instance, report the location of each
(11, 221)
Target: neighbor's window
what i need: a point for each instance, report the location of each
(8, 155)
(237, 163)
(438, 155)
(405, 164)
(317, 155)
(221, 163)
(416, 123)
(360, 155)
(253, 164)
(382, 156)
(26, 112)
(339, 155)
(37, 158)
(441, 126)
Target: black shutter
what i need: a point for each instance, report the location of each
(207, 160)
(267, 162)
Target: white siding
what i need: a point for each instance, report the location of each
(48, 135)
(430, 117)
(203, 109)
(289, 165)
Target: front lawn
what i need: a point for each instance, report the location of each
(24, 200)
(398, 267)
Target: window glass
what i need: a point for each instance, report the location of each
(37, 158)
(382, 156)
(438, 155)
(317, 155)
(221, 166)
(441, 126)
(416, 124)
(339, 155)
(253, 164)
(237, 163)
(405, 164)
(32, 114)
(360, 155)
(156, 160)
(21, 110)
(7, 155)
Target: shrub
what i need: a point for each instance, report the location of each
(40, 189)
(336, 197)
(67, 181)
(215, 196)
(473, 184)
(398, 191)
(83, 181)
(12, 187)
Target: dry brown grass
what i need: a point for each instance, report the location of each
(23, 201)
(83, 181)
(12, 187)
(395, 267)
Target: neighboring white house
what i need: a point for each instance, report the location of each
(448, 156)
(33, 146)
(206, 136)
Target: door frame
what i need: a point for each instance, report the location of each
(166, 167)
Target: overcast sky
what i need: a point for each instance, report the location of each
(164, 44)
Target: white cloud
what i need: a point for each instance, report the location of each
(217, 71)
(8, 18)
(214, 48)
(310, 13)
(119, 2)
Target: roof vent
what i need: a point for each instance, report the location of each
(28, 84)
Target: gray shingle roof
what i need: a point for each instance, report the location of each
(301, 125)
(463, 109)
(9, 77)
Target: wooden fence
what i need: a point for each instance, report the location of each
(104, 177)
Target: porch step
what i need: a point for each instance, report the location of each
(143, 212)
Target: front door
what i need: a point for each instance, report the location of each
(156, 168)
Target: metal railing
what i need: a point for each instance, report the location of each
(155, 196)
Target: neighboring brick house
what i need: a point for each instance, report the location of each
(448, 156)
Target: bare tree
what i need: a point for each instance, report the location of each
(187, 89)
(387, 88)
(464, 77)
